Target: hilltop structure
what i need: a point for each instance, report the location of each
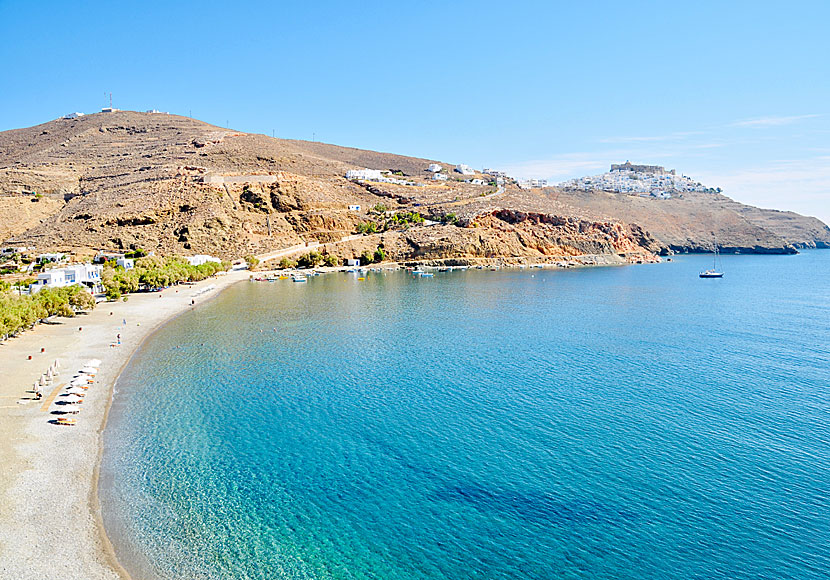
(653, 169)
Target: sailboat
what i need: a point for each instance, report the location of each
(713, 272)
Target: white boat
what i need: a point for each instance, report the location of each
(713, 272)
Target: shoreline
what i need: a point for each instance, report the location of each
(50, 514)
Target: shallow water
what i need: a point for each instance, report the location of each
(633, 422)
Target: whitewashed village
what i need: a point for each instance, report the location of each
(644, 180)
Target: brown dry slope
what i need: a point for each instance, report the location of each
(173, 185)
(693, 221)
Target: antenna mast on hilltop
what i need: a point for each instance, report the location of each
(110, 100)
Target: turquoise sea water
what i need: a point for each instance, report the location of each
(609, 423)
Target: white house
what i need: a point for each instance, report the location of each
(367, 174)
(73, 115)
(14, 250)
(533, 183)
(353, 261)
(202, 259)
(43, 258)
(464, 169)
(51, 279)
(88, 275)
(439, 177)
(354, 208)
(126, 263)
(434, 167)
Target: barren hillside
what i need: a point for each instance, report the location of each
(173, 184)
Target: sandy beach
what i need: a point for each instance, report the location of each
(50, 525)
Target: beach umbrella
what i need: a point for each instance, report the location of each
(70, 409)
(42, 380)
(79, 382)
(57, 363)
(89, 370)
(73, 399)
(76, 391)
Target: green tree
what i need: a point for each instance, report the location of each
(331, 260)
(380, 255)
(310, 260)
(366, 228)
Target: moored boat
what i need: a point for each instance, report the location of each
(713, 272)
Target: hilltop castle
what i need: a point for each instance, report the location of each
(653, 169)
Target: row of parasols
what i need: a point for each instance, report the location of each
(46, 378)
(76, 391)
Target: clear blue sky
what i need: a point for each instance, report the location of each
(736, 94)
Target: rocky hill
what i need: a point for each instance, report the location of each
(175, 185)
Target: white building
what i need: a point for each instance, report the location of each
(533, 183)
(354, 208)
(43, 258)
(14, 250)
(73, 115)
(126, 263)
(353, 261)
(202, 259)
(478, 182)
(368, 174)
(434, 167)
(439, 177)
(88, 275)
(464, 169)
